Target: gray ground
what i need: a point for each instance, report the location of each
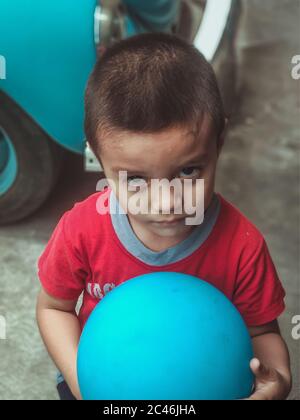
(259, 173)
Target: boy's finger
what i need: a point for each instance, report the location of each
(262, 372)
(259, 369)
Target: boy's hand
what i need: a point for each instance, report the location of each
(270, 384)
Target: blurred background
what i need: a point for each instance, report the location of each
(258, 172)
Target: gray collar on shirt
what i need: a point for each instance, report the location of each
(171, 255)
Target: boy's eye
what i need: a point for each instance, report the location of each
(190, 172)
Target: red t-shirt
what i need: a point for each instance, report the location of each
(85, 254)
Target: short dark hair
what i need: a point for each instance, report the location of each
(148, 83)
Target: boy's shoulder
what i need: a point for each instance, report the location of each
(90, 205)
(88, 214)
(237, 226)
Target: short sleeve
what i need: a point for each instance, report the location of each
(259, 295)
(61, 268)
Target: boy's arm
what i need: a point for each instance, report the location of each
(272, 364)
(60, 330)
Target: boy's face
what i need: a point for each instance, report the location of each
(175, 153)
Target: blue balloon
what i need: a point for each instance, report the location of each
(165, 336)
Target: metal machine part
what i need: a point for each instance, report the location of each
(91, 163)
(109, 24)
(204, 23)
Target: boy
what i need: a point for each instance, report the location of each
(154, 111)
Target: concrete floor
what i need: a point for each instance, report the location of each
(259, 173)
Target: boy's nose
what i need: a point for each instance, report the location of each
(167, 203)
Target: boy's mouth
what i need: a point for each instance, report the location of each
(171, 222)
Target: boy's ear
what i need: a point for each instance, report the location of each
(221, 139)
